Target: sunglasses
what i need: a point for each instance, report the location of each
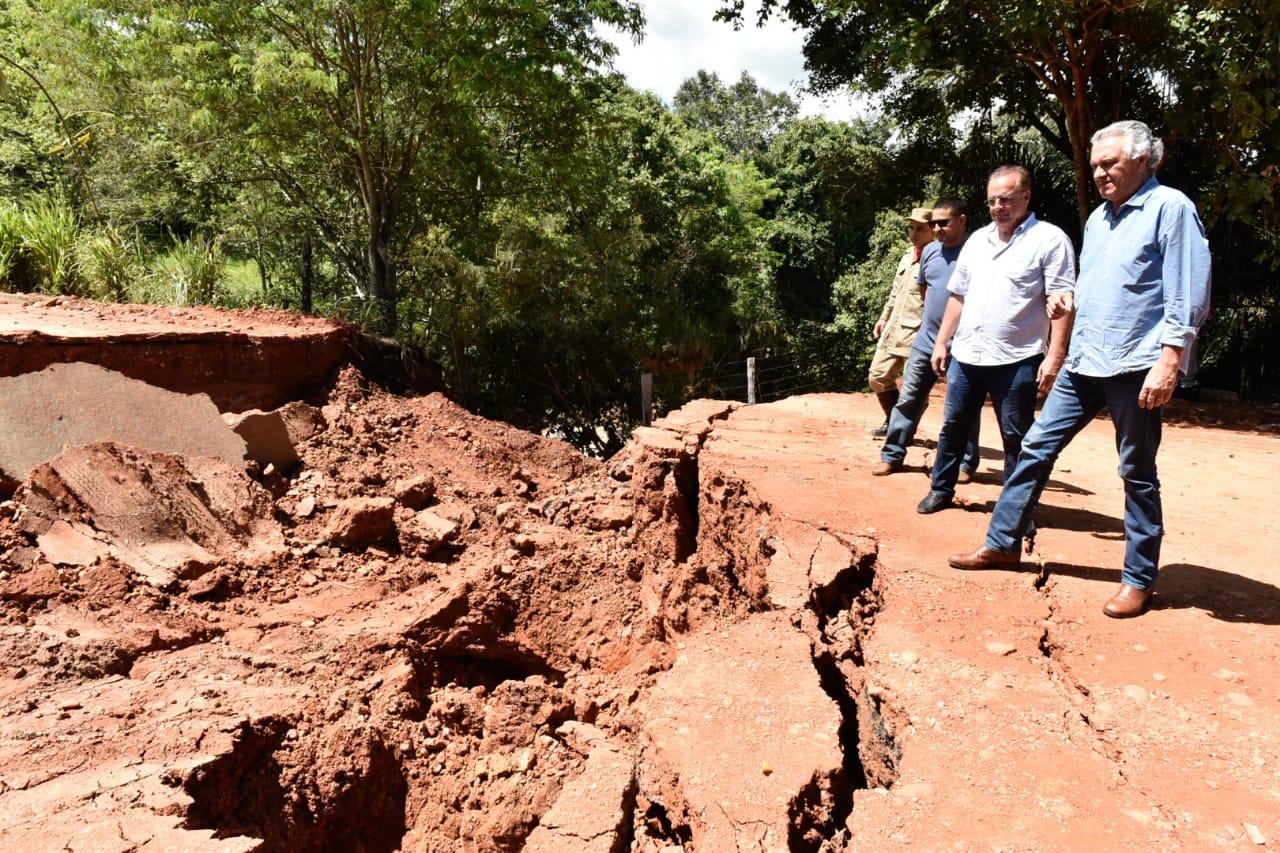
(939, 223)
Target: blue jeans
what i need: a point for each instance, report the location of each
(1074, 401)
(918, 380)
(1012, 388)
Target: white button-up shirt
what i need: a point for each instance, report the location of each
(1004, 286)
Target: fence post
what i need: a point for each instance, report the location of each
(646, 398)
(751, 380)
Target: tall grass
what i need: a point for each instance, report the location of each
(42, 248)
(10, 244)
(109, 264)
(48, 245)
(37, 247)
(190, 273)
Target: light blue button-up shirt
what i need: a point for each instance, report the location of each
(1144, 283)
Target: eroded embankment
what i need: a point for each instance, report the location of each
(432, 631)
(242, 359)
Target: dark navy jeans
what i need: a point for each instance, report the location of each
(918, 380)
(1012, 388)
(1073, 402)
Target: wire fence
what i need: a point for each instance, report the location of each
(820, 366)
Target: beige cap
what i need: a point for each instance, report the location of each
(921, 215)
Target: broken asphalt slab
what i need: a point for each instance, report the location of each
(77, 404)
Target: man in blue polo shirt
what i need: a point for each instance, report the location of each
(1142, 295)
(949, 222)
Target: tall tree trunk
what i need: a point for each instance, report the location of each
(1080, 128)
(382, 277)
(307, 278)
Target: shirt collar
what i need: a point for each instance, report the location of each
(992, 231)
(1139, 198)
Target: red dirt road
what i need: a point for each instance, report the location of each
(437, 632)
(1026, 718)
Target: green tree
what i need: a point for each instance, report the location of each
(833, 178)
(1059, 67)
(379, 118)
(744, 116)
(642, 248)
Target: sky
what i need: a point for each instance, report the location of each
(681, 37)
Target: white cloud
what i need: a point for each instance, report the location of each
(682, 37)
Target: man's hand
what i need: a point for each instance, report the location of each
(879, 328)
(1157, 388)
(939, 358)
(1047, 374)
(1060, 304)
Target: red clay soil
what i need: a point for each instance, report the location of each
(244, 359)
(438, 632)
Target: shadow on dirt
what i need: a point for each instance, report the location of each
(1224, 596)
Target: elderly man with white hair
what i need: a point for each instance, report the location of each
(1140, 299)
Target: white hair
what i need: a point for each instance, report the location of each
(1139, 140)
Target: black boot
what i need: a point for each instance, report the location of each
(888, 399)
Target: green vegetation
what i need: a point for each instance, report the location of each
(470, 178)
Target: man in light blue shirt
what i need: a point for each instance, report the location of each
(1142, 295)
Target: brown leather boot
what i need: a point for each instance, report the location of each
(986, 558)
(1128, 602)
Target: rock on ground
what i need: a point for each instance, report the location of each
(266, 437)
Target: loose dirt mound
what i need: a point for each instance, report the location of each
(436, 631)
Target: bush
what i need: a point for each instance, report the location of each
(37, 247)
(190, 273)
(860, 294)
(10, 244)
(48, 245)
(109, 265)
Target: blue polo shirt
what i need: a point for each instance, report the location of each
(937, 262)
(1144, 282)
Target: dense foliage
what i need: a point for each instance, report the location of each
(468, 176)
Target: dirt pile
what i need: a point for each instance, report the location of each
(433, 631)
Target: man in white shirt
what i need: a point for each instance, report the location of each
(997, 310)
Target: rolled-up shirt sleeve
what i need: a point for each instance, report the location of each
(1059, 266)
(1185, 275)
(959, 282)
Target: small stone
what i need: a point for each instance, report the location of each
(525, 759)
(1134, 692)
(1002, 649)
(1229, 675)
(1255, 834)
(309, 579)
(305, 507)
(308, 623)
(416, 491)
(506, 511)
(1241, 699)
(69, 705)
(1138, 647)
(362, 521)
(914, 790)
(908, 657)
(1157, 676)
(766, 769)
